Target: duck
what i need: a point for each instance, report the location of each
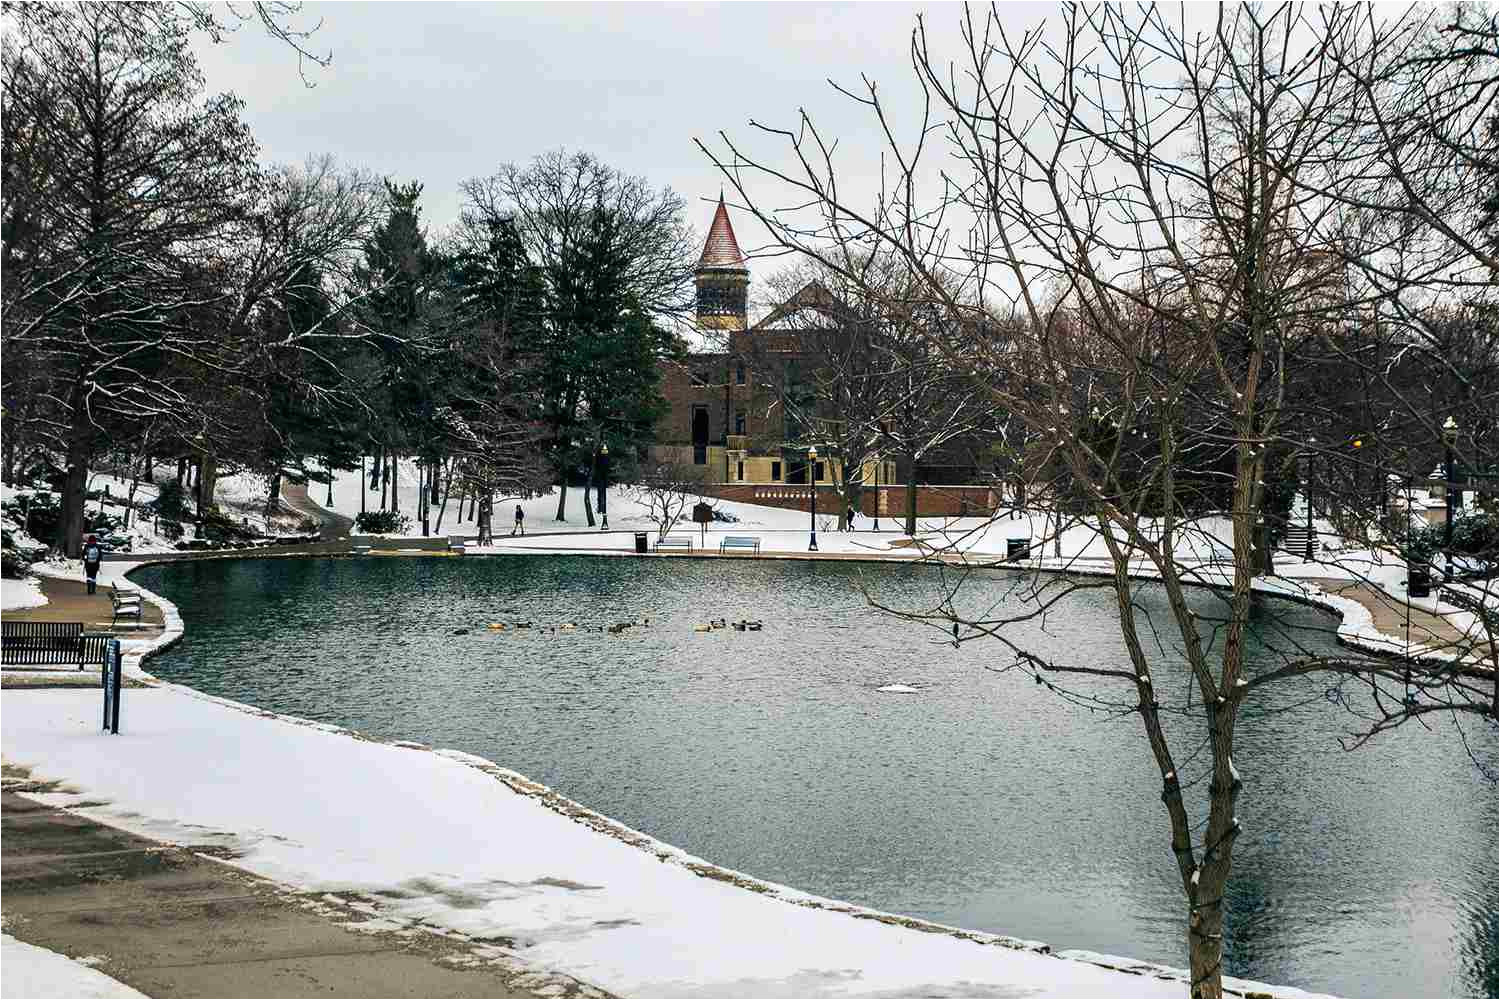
(568, 627)
(703, 628)
(522, 625)
(717, 623)
(459, 631)
(740, 626)
(496, 626)
(753, 626)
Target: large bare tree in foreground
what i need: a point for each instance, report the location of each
(1180, 230)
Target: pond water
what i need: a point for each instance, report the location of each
(983, 801)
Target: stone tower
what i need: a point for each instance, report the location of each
(722, 277)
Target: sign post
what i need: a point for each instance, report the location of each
(112, 685)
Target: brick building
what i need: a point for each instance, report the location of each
(733, 425)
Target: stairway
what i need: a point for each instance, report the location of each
(1294, 542)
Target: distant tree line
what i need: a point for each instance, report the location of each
(167, 297)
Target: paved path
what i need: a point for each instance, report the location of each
(170, 921)
(1402, 622)
(331, 526)
(70, 601)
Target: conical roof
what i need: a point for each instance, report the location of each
(722, 250)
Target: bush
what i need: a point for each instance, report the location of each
(13, 565)
(173, 501)
(382, 522)
(171, 530)
(308, 526)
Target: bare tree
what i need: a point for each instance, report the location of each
(1156, 208)
(668, 493)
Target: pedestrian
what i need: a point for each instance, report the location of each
(93, 555)
(850, 519)
(520, 521)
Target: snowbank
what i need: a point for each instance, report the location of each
(453, 841)
(18, 594)
(32, 972)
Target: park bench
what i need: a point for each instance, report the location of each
(739, 542)
(126, 603)
(42, 643)
(684, 542)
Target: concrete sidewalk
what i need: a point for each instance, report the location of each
(171, 921)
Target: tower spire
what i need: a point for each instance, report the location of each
(722, 276)
(722, 250)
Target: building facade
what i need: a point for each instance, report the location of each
(721, 418)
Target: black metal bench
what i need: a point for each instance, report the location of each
(127, 603)
(739, 542)
(683, 542)
(33, 644)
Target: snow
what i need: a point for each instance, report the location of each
(18, 594)
(29, 971)
(452, 841)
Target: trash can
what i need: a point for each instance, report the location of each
(1418, 582)
(1017, 548)
(640, 542)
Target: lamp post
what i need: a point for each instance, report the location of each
(1450, 436)
(1307, 500)
(812, 483)
(878, 462)
(603, 486)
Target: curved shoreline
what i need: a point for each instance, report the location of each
(174, 631)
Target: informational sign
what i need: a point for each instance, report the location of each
(112, 685)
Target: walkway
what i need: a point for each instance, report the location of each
(331, 526)
(1404, 623)
(171, 920)
(70, 601)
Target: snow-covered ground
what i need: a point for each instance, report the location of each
(18, 594)
(456, 843)
(36, 973)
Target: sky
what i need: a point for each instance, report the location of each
(442, 92)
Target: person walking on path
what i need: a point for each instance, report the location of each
(849, 519)
(520, 522)
(93, 555)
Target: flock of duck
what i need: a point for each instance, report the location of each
(618, 628)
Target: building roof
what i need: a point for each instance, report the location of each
(722, 250)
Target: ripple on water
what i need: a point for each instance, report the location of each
(983, 801)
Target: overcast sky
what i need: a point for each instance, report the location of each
(441, 92)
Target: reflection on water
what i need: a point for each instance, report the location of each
(983, 801)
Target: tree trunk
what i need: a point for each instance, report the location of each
(181, 469)
(424, 475)
(385, 478)
(562, 495)
(588, 484)
(395, 482)
(363, 483)
(274, 499)
(75, 486)
(911, 495)
(434, 479)
(447, 482)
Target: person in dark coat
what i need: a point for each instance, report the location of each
(520, 521)
(93, 555)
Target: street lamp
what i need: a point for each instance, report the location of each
(1307, 498)
(603, 486)
(1450, 436)
(812, 482)
(878, 462)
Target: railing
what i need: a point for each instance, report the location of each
(44, 643)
